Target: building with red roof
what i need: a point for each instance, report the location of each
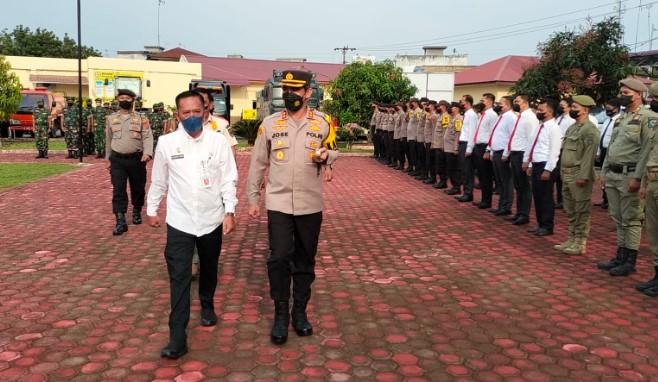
(495, 77)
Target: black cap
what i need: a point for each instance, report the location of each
(127, 92)
(296, 78)
(455, 104)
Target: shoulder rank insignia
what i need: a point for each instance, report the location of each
(260, 131)
(310, 113)
(284, 114)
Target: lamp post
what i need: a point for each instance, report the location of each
(159, 2)
(80, 126)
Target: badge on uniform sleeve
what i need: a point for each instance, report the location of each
(445, 121)
(653, 122)
(458, 125)
(260, 131)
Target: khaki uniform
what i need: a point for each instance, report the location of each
(453, 165)
(128, 133)
(295, 181)
(412, 126)
(578, 154)
(404, 123)
(628, 153)
(650, 183)
(423, 121)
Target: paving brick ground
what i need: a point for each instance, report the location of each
(411, 286)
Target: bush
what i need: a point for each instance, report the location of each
(247, 129)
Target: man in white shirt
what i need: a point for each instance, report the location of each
(516, 150)
(542, 158)
(468, 132)
(613, 111)
(497, 144)
(564, 121)
(479, 143)
(197, 171)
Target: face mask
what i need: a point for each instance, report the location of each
(611, 113)
(541, 116)
(516, 108)
(497, 109)
(573, 114)
(125, 105)
(293, 102)
(69, 104)
(560, 110)
(40, 106)
(192, 124)
(625, 100)
(654, 106)
(479, 106)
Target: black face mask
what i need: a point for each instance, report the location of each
(497, 109)
(69, 104)
(293, 101)
(479, 106)
(610, 113)
(125, 105)
(40, 106)
(516, 108)
(654, 105)
(625, 100)
(573, 114)
(541, 116)
(560, 110)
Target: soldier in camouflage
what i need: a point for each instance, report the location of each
(41, 125)
(88, 135)
(99, 128)
(71, 124)
(157, 120)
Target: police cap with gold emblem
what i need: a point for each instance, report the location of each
(583, 100)
(127, 92)
(296, 78)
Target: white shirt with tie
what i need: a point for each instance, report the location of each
(547, 143)
(527, 126)
(606, 133)
(565, 121)
(482, 133)
(468, 127)
(502, 131)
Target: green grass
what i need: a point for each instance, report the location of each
(53, 144)
(16, 174)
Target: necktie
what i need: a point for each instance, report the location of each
(509, 144)
(604, 131)
(477, 130)
(532, 150)
(494, 130)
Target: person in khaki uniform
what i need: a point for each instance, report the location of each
(622, 172)
(578, 154)
(443, 119)
(298, 145)
(451, 149)
(413, 114)
(649, 193)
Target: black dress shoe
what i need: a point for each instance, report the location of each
(208, 318)
(533, 230)
(452, 191)
(484, 206)
(512, 218)
(429, 181)
(543, 232)
(559, 206)
(172, 352)
(476, 203)
(503, 213)
(494, 210)
(464, 198)
(604, 205)
(521, 221)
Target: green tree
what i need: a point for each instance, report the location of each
(10, 90)
(359, 84)
(41, 43)
(590, 62)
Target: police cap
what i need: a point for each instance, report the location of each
(127, 92)
(40, 100)
(296, 78)
(653, 89)
(633, 84)
(414, 100)
(583, 100)
(444, 103)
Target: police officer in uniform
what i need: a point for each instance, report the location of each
(578, 153)
(622, 172)
(128, 137)
(298, 145)
(41, 124)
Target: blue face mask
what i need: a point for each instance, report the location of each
(192, 124)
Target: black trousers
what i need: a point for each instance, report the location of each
(521, 182)
(390, 153)
(485, 172)
(440, 164)
(413, 154)
(542, 191)
(429, 161)
(468, 174)
(293, 245)
(420, 159)
(127, 169)
(604, 152)
(179, 251)
(506, 191)
(377, 142)
(454, 169)
(558, 182)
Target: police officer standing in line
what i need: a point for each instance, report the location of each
(564, 121)
(578, 153)
(130, 143)
(612, 110)
(479, 148)
(298, 145)
(41, 123)
(430, 160)
(466, 135)
(421, 159)
(622, 174)
(373, 129)
(649, 193)
(413, 114)
(451, 150)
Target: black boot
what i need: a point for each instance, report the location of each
(40, 155)
(137, 216)
(441, 185)
(628, 266)
(653, 283)
(279, 334)
(299, 320)
(99, 155)
(121, 226)
(614, 262)
(70, 155)
(45, 154)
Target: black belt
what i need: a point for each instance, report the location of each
(127, 156)
(481, 144)
(498, 151)
(463, 142)
(619, 168)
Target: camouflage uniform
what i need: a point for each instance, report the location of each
(157, 121)
(71, 126)
(88, 132)
(41, 117)
(100, 113)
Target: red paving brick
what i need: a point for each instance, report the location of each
(411, 286)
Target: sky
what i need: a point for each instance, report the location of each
(263, 29)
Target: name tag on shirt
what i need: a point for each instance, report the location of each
(178, 156)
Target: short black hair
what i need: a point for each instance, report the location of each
(508, 100)
(188, 94)
(468, 98)
(489, 96)
(614, 102)
(568, 100)
(202, 91)
(551, 104)
(524, 97)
